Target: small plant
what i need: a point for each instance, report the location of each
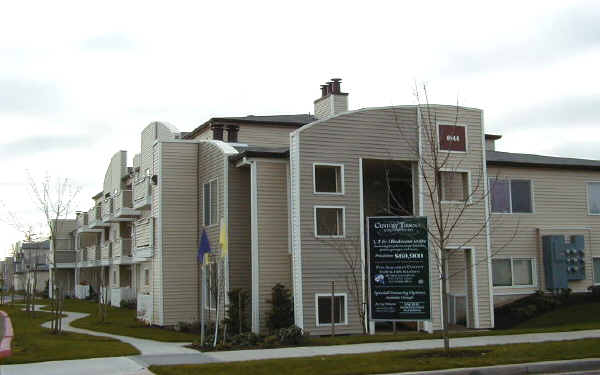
(282, 310)
(293, 335)
(129, 304)
(182, 327)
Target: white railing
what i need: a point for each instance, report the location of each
(144, 307)
(142, 193)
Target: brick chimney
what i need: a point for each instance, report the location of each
(332, 100)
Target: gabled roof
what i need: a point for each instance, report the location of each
(529, 160)
(289, 120)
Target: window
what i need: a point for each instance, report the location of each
(115, 281)
(211, 278)
(210, 203)
(329, 221)
(455, 186)
(324, 309)
(513, 272)
(594, 198)
(511, 196)
(146, 277)
(596, 270)
(328, 178)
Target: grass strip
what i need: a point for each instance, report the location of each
(397, 361)
(32, 343)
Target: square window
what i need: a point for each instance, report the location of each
(455, 186)
(596, 270)
(329, 221)
(594, 198)
(513, 272)
(511, 196)
(324, 309)
(328, 179)
(501, 272)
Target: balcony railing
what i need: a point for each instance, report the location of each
(107, 251)
(144, 237)
(123, 206)
(122, 247)
(142, 193)
(65, 256)
(82, 219)
(95, 217)
(82, 255)
(107, 210)
(93, 253)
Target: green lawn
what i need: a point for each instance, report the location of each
(121, 321)
(32, 343)
(390, 362)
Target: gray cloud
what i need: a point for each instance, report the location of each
(42, 144)
(29, 97)
(584, 150)
(105, 42)
(561, 113)
(573, 31)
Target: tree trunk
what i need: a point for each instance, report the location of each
(445, 306)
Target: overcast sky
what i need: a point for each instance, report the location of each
(80, 80)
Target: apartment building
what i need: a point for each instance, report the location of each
(291, 190)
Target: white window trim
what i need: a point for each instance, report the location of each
(587, 190)
(470, 191)
(345, 295)
(512, 279)
(146, 278)
(342, 190)
(343, 235)
(437, 128)
(209, 182)
(531, 184)
(593, 271)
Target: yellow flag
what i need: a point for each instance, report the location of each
(223, 238)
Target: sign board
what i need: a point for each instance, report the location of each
(398, 268)
(452, 137)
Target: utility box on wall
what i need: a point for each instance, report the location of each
(563, 262)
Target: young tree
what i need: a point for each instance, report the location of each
(438, 171)
(54, 198)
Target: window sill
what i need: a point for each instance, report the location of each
(515, 286)
(329, 324)
(326, 193)
(329, 237)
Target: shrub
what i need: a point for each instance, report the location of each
(271, 341)
(238, 303)
(129, 304)
(182, 327)
(282, 310)
(245, 339)
(293, 335)
(526, 308)
(595, 289)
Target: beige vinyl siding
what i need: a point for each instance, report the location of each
(343, 139)
(273, 244)
(239, 228)
(265, 135)
(115, 171)
(179, 217)
(376, 134)
(157, 268)
(560, 208)
(210, 166)
(146, 160)
(473, 218)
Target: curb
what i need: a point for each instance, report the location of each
(519, 369)
(5, 350)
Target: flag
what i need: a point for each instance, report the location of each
(203, 248)
(223, 238)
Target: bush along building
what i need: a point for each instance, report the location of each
(287, 197)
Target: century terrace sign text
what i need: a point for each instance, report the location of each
(398, 269)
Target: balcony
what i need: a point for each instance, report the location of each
(107, 210)
(83, 221)
(144, 238)
(123, 206)
(142, 193)
(93, 253)
(122, 248)
(64, 258)
(95, 218)
(106, 252)
(82, 255)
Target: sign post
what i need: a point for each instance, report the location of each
(398, 269)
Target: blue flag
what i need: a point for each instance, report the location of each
(203, 248)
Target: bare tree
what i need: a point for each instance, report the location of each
(441, 173)
(54, 199)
